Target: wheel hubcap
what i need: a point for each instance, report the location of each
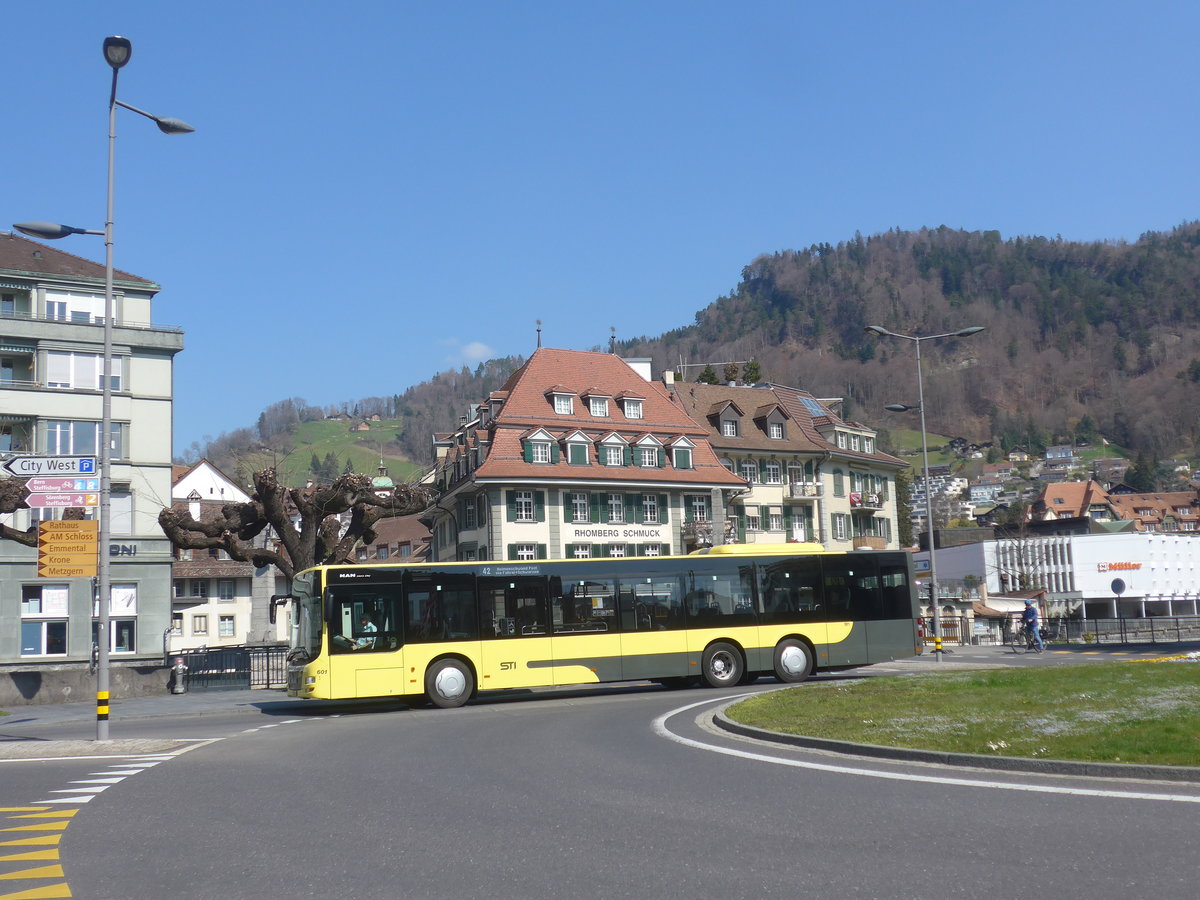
(450, 683)
(792, 660)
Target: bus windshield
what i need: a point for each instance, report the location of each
(306, 627)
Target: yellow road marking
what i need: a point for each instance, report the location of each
(48, 840)
(30, 856)
(39, 826)
(53, 814)
(49, 892)
(37, 872)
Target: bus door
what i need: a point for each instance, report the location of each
(892, 633)
(440, 617)
(364, 640)
(514, 627)
(653, 635)
(851, 597)
(792, 594)
(583, 614)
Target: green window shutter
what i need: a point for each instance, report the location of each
(554, 453)
(664, 549)
(510, 499)
(839, 483)
(568, 551)
(597, 550)
(577, 454)
(594, 502)
(762, 471)
(685, 459)
(539, 506)
(512, 551)
(634, 504)
(527, 451)
(628, 454)
(883, 488)
(689, 514)
(741, 524)
(662, 457)
(664, 508)
(631, 550)
(566, 506)
(541, 551)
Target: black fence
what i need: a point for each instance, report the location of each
(231, 668)
(1148, 630)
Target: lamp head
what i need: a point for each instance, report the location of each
(899, 407)
(967, 332)
(876, 330)
(117, 51)
(50, 231)
(173, 126)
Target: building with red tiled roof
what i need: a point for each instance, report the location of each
(1073, 499)
(578, 455)
(1166, 512)
(400, 539)
(812, 476)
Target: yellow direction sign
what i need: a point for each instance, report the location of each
(67, 549)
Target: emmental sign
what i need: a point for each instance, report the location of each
(67, 549)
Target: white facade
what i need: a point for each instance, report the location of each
(1099, 575)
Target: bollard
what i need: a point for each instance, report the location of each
(179, 673)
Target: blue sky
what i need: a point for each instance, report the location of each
(378, 191)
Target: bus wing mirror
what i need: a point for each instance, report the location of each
(276, 600)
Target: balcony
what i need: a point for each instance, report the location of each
(870, 543)
(804, 489)
(865, 501)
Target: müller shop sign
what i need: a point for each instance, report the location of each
(1118, 566)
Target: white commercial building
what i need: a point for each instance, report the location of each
(1094, 575)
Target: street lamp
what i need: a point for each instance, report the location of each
(117, 51)
(880, 331)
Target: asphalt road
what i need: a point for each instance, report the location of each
(626, 792)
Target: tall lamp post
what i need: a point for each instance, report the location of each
(117, 51)
(880, 331)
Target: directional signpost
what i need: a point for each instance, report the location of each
(31, 466)
(61, 501)
(57, 482)
(67, 549)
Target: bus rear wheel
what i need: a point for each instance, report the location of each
(793, 661)
(722, 665)
(449, 683)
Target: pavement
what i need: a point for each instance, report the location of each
(14, 744)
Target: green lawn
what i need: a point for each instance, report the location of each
(361, 448)
(1130, 712)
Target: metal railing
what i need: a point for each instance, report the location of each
(231, 668)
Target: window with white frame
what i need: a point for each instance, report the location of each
(775, 431)
(564, 405)
(199, 587)
(729, 428)
(122, 635)
(854, 442)
(225, 626)
(616, 507)
(840, 528)
(614, 455)
(774, 473)
(524, 504)
(841, 440)
(748, 469)
(582, 551)
(200, 624)
(44, 638)
(753, 522)
(225, 589)
(80, 370)
(648, 457)
(868, 445)
(775, 521)
(650, 509)
(540, 451)
(176, 623)
(633, 409)
(598, 406)
(579, 507)
(652, 550)
(526, 551)
(699, 504)
(69, 438)
(616, 550)
(469, 515)
(44, 619)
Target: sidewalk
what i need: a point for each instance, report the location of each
(192, 703)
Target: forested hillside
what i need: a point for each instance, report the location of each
(1103, 333)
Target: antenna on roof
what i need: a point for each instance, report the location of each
(612, 339)
(539, 332)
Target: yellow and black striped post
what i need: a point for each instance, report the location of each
(101, 706)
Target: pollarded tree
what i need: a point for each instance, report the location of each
(305, 521)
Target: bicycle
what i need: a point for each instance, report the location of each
(1022, 641)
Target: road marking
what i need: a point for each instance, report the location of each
(660, 728)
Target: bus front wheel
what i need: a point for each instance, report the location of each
(793, 661)
(722, 665)
(449, 683)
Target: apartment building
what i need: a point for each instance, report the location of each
(51, 352)
(578, 455)
(810, 475)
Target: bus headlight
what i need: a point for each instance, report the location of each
(310, 679)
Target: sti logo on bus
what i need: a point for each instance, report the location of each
(507, 666)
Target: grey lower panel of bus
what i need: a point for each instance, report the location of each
(614, 668)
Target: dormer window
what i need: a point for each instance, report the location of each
(841, 440)
(868, 445)
(614, 456)
(854, 442)
(633, 409)
(564, 404)
(598, 406)
(540, 448)
(775, 431)
(729, 428)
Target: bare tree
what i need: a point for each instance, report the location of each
(306, 522)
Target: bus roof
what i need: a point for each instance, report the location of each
(790, 549)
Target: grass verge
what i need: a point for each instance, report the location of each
(1143, 712)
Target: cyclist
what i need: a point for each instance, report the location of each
(1029, 619)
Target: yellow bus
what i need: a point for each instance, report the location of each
(447, 631)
